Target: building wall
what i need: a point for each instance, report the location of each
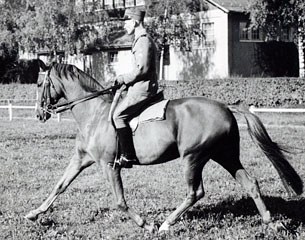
(219, 60)
(250, 58)
(242, 53)
(105, 70)
(203, 61)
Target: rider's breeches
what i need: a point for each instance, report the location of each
(129, 107)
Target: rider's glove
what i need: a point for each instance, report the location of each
(120, 79)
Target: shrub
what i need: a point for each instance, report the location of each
(273, 92)
(261, 92)
(18, 91)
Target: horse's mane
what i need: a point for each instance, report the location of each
(71, 72)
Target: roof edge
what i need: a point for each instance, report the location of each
(218, 6)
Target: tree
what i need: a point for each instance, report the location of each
(56, 25)
(44, 25)
(69, 26)
(32, 26)
(275, 15)
(175, 22)
(8, 59)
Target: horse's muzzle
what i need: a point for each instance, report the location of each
(42, 115)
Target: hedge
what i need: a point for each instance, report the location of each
(261, 92)
(18, 91)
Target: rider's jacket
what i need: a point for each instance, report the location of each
(142, 79)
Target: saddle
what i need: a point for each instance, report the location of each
(154, 110)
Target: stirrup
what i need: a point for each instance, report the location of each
(124, 162)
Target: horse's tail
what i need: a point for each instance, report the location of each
(290, 178)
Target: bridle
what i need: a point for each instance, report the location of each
(45, 101)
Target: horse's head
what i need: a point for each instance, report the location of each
(48, 93)
(63, 81)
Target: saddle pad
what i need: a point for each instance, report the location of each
(155, 112)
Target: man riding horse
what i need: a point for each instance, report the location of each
(141, 83)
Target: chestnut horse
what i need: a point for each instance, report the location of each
(195, 130)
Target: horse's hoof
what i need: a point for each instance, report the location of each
(164, 227)
(31, 216)
(267, 217)
(280, 226)
(152, 228)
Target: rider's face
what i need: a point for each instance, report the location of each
(130, 26)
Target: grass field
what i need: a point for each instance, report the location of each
(34, 155)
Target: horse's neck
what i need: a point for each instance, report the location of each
(90, 113)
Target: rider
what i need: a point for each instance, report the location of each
(141, 83)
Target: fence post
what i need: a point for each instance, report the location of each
(58, 117)
(10, 111)
(36, 106)
(252, 109)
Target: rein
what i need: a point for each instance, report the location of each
(58, 108)
(47, 107)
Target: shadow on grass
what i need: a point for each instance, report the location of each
(292, 209)
(42, 137)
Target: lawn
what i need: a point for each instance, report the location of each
(34, 155)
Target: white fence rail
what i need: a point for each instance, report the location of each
(276, 110)
(10, 106)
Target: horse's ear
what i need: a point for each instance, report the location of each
(42, 65)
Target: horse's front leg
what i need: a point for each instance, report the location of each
(114, 177)
(75, 166)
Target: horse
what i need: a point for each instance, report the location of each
(195, 130)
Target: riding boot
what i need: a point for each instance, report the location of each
(128, 154)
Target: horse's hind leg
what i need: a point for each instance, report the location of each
(193, 175)
(229, 159)
(251, 186)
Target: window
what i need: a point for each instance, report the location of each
(249, 34)
(207, 40)
(281, 34)
(243, 31)
(119, 4)
(208, 34)
(129, 3)
(287, 34)
(108, 4)
(132, 3)
(255, 34)
(140, 2)
(112, 57)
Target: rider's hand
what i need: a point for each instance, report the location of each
(120, 79)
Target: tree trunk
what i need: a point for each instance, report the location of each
(161, 64)
(301, 58)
